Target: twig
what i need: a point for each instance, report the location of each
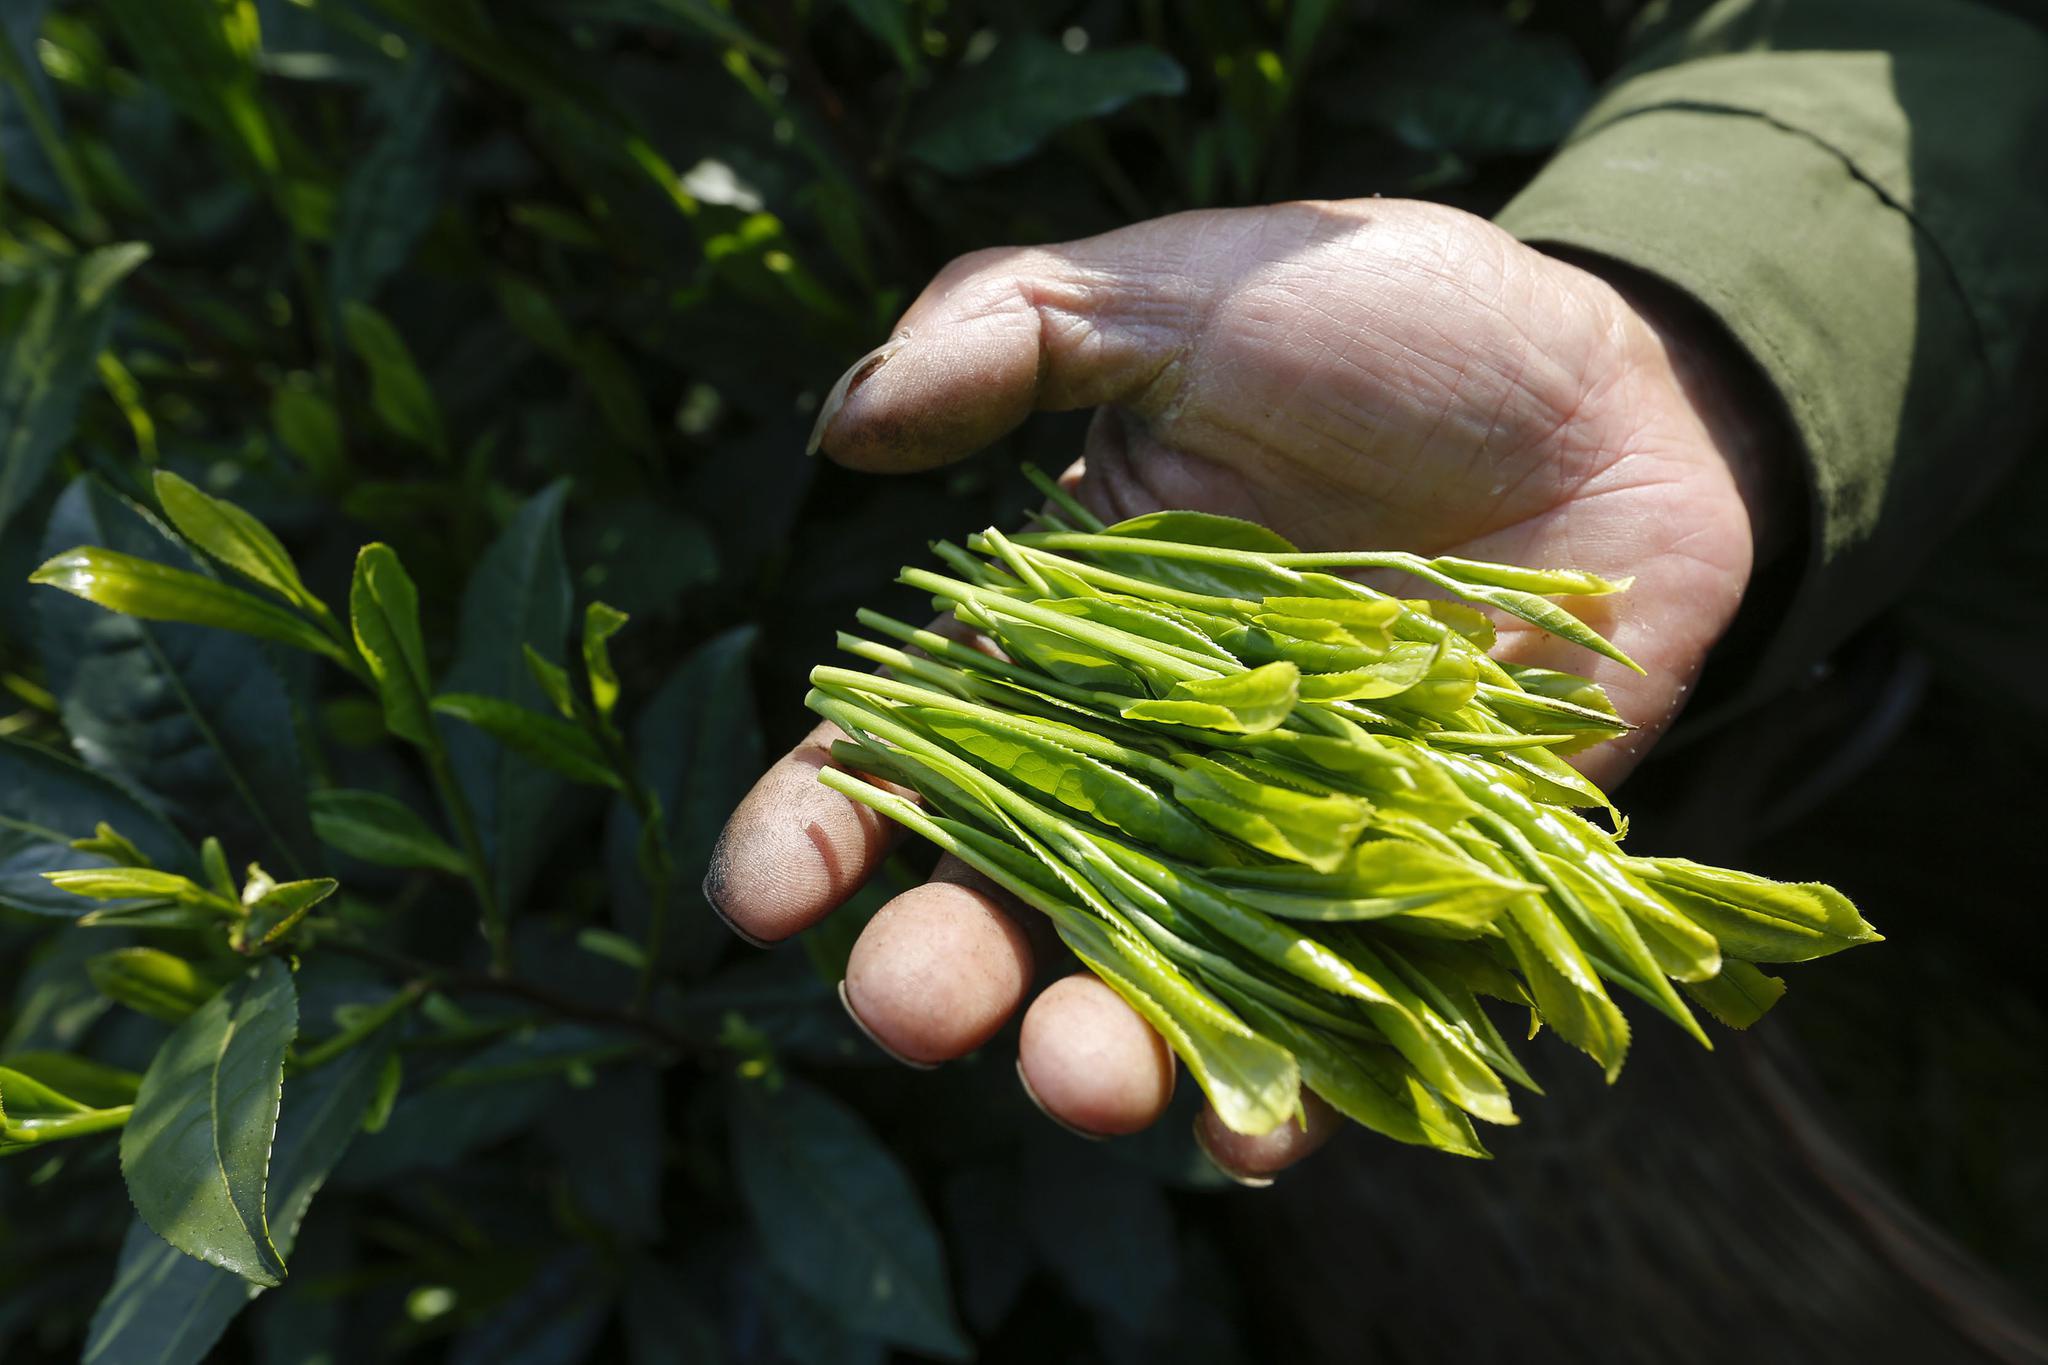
(516, 988)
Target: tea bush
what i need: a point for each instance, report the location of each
(378, 1014)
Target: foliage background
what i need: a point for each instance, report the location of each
(611, 252)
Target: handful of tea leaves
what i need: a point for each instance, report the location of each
(1299, 824)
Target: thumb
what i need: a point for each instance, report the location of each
(1002, 333)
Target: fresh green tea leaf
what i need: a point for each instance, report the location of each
(90, 1084)
(1299, 826)
(384, 613)
(555, 744)
(279, 908)
(1755, 918)
(139, 883)
(1369, 1085)
(600, 623)
(156, 592)
(1248, 703)
(152, 982)
(1073, 779)
(1738, 995)
(1391, 878)
(235, 538)
(111, 844)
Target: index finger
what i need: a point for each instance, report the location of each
(794, 849)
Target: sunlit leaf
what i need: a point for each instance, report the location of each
(233, 537)
(384, 613)
(157, 592)
(553, 743)
(152, 982)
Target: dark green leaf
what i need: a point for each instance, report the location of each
(664, 1325)
(380, 829)
(616, 391)
(837, 1215)
(398, 391)
(196, 1153)
(199, 718)
(199, 55)
(518, 597)
(53, 323)
(46, 801)
(392, 193)
(496, 1092)
(1104, 1229)
(609, 1144)
(700, 742)
(306, 422)
(166, 1308)
(894, 24)
(1001, 110)
(1471, 83)
(552, 1318)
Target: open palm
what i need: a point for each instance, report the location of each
(1367, 374)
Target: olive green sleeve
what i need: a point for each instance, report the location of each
(1858, 190)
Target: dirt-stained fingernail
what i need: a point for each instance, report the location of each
(714, 885)
(856, 375)
(1250, 1182)
(862, 1025)
(1032, 1095)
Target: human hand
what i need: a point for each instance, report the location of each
(1367, 374)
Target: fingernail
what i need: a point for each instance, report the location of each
(711, 889)
(888, 1051)
(1250, 1182)
(1032, 1095)
(856, 375)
